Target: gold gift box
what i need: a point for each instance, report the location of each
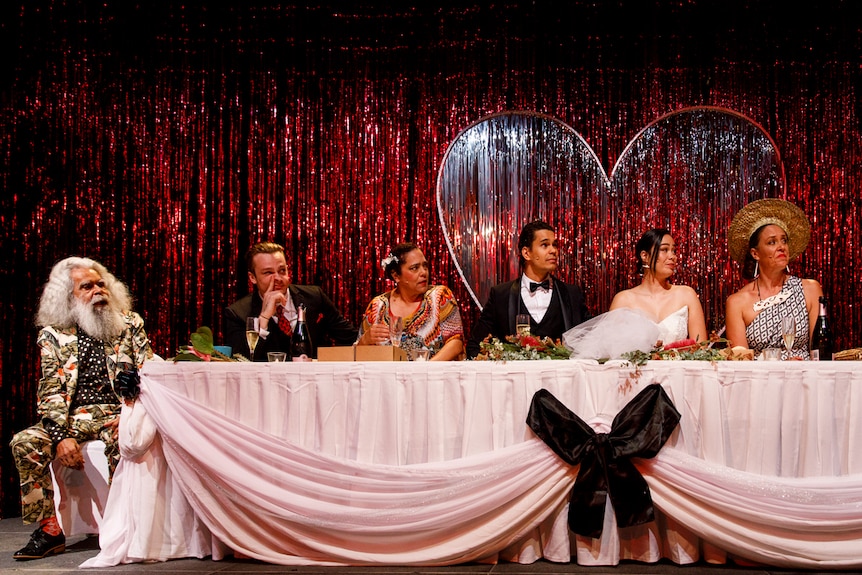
(361, 353)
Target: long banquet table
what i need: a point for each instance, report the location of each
(425, 463)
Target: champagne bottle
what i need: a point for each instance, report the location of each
(300, 341)
(821, 340)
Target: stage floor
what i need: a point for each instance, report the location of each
(14, 534)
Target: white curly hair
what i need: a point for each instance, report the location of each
(56, 306)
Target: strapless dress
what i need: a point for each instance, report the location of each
(674, 327)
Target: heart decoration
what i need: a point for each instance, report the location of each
(689, 171)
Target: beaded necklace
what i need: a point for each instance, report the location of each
(762, 304)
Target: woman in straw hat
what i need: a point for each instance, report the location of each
(764, 237)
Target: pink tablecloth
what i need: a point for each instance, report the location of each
(423, 463)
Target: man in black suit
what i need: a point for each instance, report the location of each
(274, 300)
(554, 306)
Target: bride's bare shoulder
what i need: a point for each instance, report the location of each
(622, 298)
(680, 289)
(684, 293)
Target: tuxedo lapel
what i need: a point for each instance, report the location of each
(514, 305)
(296, 297)
(255, 304)
(565, 305)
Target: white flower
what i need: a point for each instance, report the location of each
(387, 260)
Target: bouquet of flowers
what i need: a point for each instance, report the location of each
(521, 347)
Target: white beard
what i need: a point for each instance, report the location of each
(101, 322)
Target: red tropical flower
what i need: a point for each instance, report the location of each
(680, 344)
(532, 341)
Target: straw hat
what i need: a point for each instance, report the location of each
(763, 212)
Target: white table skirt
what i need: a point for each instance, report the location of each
(80, 494)
(750, 431)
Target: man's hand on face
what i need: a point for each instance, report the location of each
(273, 301)
(69, 454)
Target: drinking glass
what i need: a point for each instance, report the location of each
(252, 334)
(788, 332)
(396, 328)
(772, 354)
(421, 354)
(522, 324)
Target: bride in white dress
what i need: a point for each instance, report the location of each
(676, 309)
(655, 310)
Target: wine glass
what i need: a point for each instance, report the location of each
(522, 324)
(788, 332)
(396, 328)
(252, 334)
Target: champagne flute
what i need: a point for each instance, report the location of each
(396, 328)
(522, 324)
(252, 334)
(788, 332)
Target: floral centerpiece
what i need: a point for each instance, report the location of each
(713, 349)
(521, 347)
(201, 349)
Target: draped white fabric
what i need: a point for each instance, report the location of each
(421, 464)
(80, 494)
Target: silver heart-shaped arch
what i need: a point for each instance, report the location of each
(690, 171)
(503, 171)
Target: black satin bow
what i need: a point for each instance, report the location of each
(640, 429)
(128, 384)
(545, 285)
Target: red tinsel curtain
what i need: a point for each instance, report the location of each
(164, 142)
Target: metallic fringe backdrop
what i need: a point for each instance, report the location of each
(164, 140)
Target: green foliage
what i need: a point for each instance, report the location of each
(521, 348)
(702, 351)
(202, 340)
(201, 348)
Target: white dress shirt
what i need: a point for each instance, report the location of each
(538, 301)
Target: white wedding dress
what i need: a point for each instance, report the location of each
(622, 330)
(674, 327)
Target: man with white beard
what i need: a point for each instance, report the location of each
(91, 345)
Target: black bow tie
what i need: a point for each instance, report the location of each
(545, 285)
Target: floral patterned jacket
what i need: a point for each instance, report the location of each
(59, 363)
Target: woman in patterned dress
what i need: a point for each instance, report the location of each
(429, 312)
(764, 237)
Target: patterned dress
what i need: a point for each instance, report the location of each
(432, 325)
(765, 330)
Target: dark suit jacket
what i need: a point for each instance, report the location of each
(504, 303)
(326, 325)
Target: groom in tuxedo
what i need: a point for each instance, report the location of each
(554, 307)
(274, 300)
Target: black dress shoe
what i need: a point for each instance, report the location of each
(41, 545)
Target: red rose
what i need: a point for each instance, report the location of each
(681, 343)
